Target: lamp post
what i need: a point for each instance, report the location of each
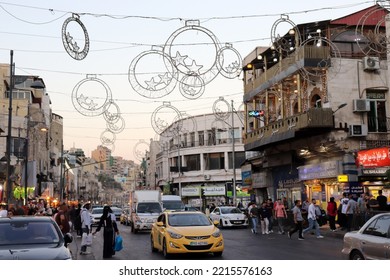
(9, 135)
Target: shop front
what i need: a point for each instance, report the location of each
(192, 195)
(288, 184)
(374, 165)
(321, 181)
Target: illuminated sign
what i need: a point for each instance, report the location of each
(373, 158)
(256, 113)
(342, 178)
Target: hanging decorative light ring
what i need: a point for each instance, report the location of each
(70, 44)
(229, 62)
(220, 112)
(166, 119)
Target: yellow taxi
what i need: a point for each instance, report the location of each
(186, 232)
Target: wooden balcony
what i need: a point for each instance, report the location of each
(309, 123)
(307, 56)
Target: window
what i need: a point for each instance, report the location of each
(376, 117)
(239, 159)
(192, 139)
(379, 227)
(211, 137)
(201, 138)
(214, 161)
(193, 162)
(347, 43)
(18, 147)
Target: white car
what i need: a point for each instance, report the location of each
(371, 242)
(229, 216)
(96, 213)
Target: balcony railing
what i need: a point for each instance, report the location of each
(306, 53)
(289, 128)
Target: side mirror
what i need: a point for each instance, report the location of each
(160, 224)
(68, 238)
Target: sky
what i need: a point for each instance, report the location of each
(120, 84)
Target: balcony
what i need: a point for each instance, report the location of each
(309, 123)
(306, 56)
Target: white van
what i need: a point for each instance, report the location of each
(172, 202)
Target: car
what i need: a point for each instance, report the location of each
(117, 212)
(33, 238)
(229, 216)
(124, 218)
(96, 213)
(371, 241)
(185, 232)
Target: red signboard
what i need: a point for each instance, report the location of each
(374, 157)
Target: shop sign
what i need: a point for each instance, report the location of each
(328, 169)
(246, 178)
(375, 171)
(373, 158)
(316, 188)
(190, 191)
(217, 190)
(342, 178)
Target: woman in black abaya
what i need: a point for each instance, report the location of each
(107, 221)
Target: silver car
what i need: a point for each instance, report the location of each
(371, 242)
(32, 238)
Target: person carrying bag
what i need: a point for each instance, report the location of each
(108, 222)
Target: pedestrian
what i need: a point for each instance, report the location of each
(280, 215)
(343, 213)
(3, 211)
(350, 212)
(270, 208)
(382, 201)
(372, 206)
(254, 214)
(331, 210)
(361, 208)
(298, 220)
(72, 216)
(85, 225)
(312, 218)
(107, 221)
(61, 218)
(77, 221)
(264, 214)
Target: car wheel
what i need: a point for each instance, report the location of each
(152, 244)
(218, 254)
(356, 255)
(165, 250)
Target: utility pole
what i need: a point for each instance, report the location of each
(233, 158)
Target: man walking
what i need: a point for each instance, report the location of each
(254, 213)
(298, 220)
(85, 225)
(312, 218)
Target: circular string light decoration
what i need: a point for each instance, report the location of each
(167, 119)
(152, 84)
(88, 105)
(281, 43)
(139, 150)
(222, 109)
(229, 62)
(70, 44)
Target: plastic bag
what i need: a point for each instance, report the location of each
(118, 243)
(86, 239)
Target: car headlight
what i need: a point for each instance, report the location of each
(174, 235)
(216, 233)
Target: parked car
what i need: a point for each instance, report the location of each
(186, 232)
(229, 216)
(372, 241)
(96, 213)
(33, 238)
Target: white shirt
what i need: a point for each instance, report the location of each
(3, 213)
(85, 218)
(311, 213)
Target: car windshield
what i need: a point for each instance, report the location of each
(27, 233)
(173, 205)
(185, 220)
(97, 211)
(116, 211)
(149, 207)
(230, 210)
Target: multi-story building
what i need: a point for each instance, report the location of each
(318, 97)
(102, 155)
(30, 151)
(200, 157)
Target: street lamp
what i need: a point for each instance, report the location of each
(233, 157)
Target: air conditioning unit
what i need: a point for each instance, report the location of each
(207, 177)
(361, 105)
(371, 63)
(357, 130)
